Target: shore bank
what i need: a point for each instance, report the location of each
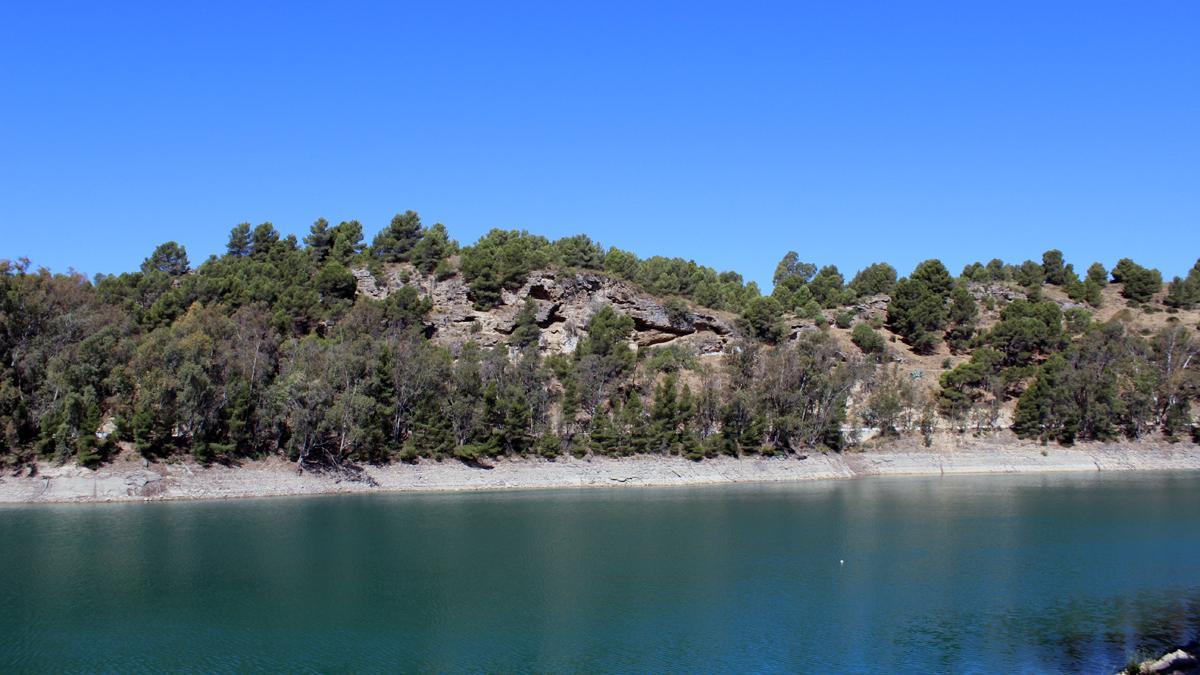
(129, 479)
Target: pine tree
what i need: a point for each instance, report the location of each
(334, 282)
(874, 279)
(963, 313)
(935, 276)
(548, 445)
(517, 422)
(1140, 284)
(397, 240)
(1185, 293)
(239, 241)
(319, 241)
(635, 429)
(1098, 274)
(525, 328)
(1039, 412)
(603, 435)
(433, 435)
(671, 411)
(169, 259)
(433, 249)
(918, 312)
(346, 241)
(1052, 267)
(263, 240)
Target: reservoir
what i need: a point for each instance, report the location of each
(1021, 573)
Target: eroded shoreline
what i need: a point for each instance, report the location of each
(131, 480)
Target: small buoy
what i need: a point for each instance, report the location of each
(841, 562)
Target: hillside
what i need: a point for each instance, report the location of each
(331, 353)
(565, 301)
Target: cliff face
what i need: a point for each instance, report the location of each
(565, 302)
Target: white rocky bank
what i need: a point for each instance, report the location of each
(128, 479)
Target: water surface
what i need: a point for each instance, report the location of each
(977, 574)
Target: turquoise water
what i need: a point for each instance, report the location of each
(983, 574)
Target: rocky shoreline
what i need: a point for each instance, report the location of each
(1175, 662)
(131, 479)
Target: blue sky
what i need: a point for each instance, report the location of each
(728, 133)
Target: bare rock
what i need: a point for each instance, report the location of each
(1178, 661)
(366, 284)
(996, 291)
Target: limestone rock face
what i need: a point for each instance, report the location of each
(1006, 293)
(565, 301)
(996, 291)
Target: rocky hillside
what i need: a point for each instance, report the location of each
(332, 352)
(565, 302)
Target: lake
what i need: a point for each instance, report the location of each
(1036, 573)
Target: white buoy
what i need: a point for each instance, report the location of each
(841, 562)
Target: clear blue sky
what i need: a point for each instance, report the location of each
(728, 133)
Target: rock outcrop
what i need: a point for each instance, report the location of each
(1176, 662)
(565, 302)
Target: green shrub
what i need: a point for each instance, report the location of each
(548, 446)
(867, 339)
(1139, 283)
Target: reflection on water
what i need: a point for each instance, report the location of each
(1015, 573)
(1096, 635)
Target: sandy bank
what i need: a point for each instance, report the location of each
(128, 479)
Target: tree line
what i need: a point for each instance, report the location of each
(268, 349)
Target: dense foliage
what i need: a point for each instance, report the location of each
(269, 349)
(502, 259)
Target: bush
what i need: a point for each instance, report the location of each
(670, 359)
(500, 261)
(762, 319)
(409, 453)
(924, 343)
(1185, 293)
(581, 252)
(548, 446)
(677, 312)
(866, 339)
(1077, 319)
(843, 320)
(1053, 270)
(335, 281)
(1140, 283)
(1029, 274)
(917, 310)
(874, 279)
